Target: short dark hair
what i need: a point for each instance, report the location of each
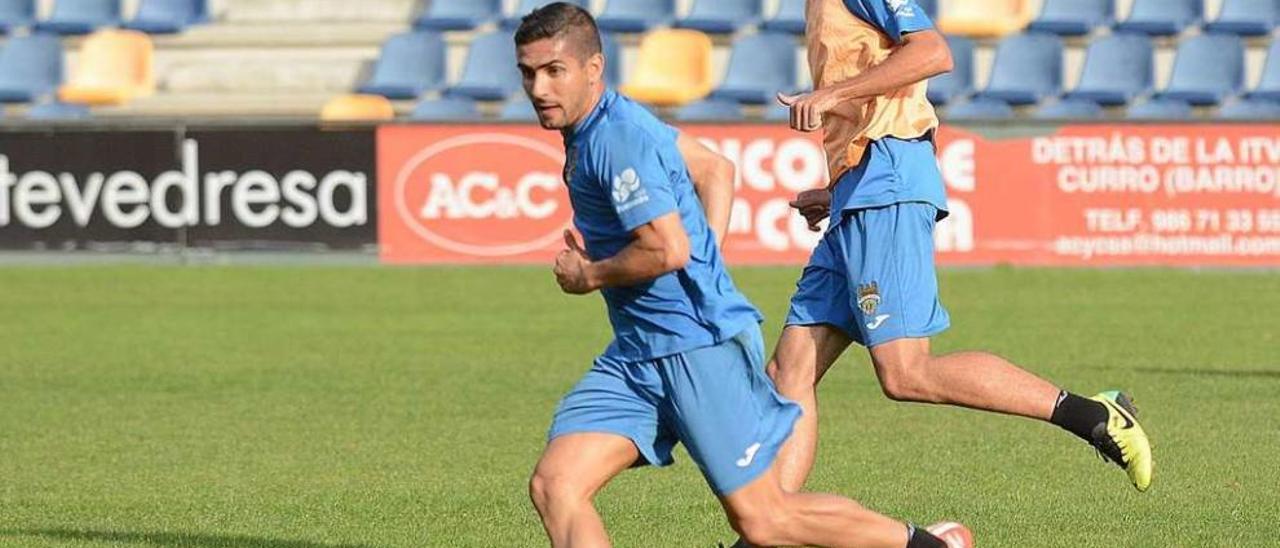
(561, 19)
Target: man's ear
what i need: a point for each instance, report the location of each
(595, 67)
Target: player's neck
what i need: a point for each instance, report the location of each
(597, 95)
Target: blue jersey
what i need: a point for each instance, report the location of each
(624, 170)
(893, 17)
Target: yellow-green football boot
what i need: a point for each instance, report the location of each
(1122, 440)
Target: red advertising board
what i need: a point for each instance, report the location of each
(1088, 195)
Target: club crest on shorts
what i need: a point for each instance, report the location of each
(869, 298)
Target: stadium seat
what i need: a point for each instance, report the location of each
(1162, 17)
(16, 14)
(511, 22)
(30, 67)
(114, 67)
(168, 16)
(1027, 68)
(360, 107)
(490, 73)
(635, 15)
(457, 14)
(447, 109)
(518, 109)
(1069, 109)
(710, 110)
(1246, 17)
(984, 18)
(789, 18)
(673, 67)
(1269, 87)
(1159, 109)
(721, 16)
(1208, 68)
(1117, 68)
(410, 64)
(1073, 17)
(58, 111)
(1250, 109)
(980, 109)
(958, 83)
(760, 66)
(81, 16)
(612, 59)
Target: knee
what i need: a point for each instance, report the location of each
(765, 529)
(792, 377)
(552, 491)
(905, 380)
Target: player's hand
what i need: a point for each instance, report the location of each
(571, 267)
(814, 205)
(808, 109)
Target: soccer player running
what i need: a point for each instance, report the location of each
(687, 361)
(871, 279)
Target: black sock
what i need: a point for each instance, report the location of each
(922, 539)
(1078, 415)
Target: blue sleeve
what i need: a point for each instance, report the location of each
(894, 17)
(631, 170)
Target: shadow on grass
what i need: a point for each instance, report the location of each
(1237, 373)
(170, 539)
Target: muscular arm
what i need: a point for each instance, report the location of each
(921, 56)
(659, 247)
(713, 176)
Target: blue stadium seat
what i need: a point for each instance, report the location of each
(710, 110)
(518, 109)
(16, 14)
(612, 59)
(1070, 109)
(958, 83)
(490, 73)
(58, 111)
(980, 109)
(168, 16)
(1027, 68)
(1208, 69)
(721, 16)
(511, 22)
(81, 16)
(760, 66)
(410, 64)
(449, 109)
(789, 18)
(1073, 17)
(1117, 68)
(458, 14)
(776, 112)
(635, 15)
(30, 67)
(1159, 109)
(1162, 17)
(1246, 17)
(1250, 109)
(1269, 88)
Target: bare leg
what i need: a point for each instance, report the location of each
(977, 380)
(765, 515)
(571, 471)
(803, 356)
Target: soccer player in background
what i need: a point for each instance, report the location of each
(871, 280)
(687, 361)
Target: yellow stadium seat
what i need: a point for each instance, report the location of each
(673, 67)
(356, 108)
(985, 18)
(114, 67)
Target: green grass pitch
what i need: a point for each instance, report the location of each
(305, 407)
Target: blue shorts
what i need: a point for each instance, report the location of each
(873, 276)
(716, 400)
